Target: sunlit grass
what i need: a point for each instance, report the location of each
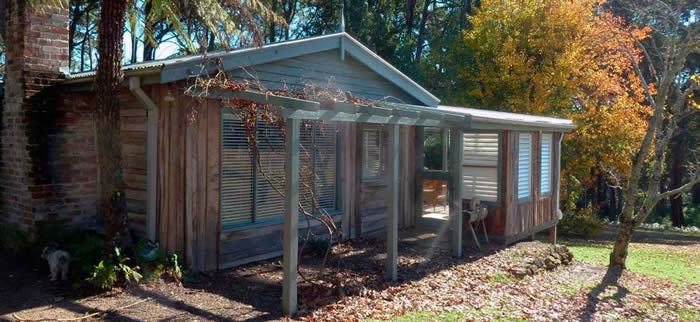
(680, 264)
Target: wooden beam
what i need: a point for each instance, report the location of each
(344, 107)
(392, 216)
(151, 155)
(332, 115)
(420, 140)
(380, 111)
(455, 189)
(262, 98)
(291, 217)
(407, 113)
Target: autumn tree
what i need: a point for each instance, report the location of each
(671, 91)
(557, 58)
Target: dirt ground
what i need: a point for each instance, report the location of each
(477, 286)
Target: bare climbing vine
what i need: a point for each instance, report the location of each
(250, 114)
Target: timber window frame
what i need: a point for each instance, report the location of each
(546, 161)
(481, 175)
(248, 199)
(524, 167)
(374, 158)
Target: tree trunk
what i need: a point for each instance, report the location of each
(612, 205)
(678, 154)
(421, 31)
(112, 204)
(619, 253)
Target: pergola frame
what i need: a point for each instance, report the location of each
(391, 115)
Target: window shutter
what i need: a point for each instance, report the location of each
(546, 164)
(236, 173)
(524, 164)
(246, 194)
(268, 202)
(372, 150)
(325, 164)
(480, 166)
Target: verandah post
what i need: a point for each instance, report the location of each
(291, 217)
(455, 189)
(420, 141)
(392, 216)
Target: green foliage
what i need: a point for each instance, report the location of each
(581, 222)
(433, 151)
(104, 276)
(13, 240)
(112, 270)
(154, 262)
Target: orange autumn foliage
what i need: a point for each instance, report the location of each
(566, 59)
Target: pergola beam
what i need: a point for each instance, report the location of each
(378, 113)
(332, 115)
(262, 98)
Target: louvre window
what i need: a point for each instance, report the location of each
(546, 164)
(480, 166)
(372, 152)
(524, 165)
(249, 187)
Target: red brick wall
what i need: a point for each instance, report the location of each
(47, 153)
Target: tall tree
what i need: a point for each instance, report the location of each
(221, 17)
(112, 202)
(672, 94)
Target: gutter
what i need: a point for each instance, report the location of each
(151, 154)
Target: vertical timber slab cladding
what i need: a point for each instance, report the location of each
(188, 176)
(133, 132)
(171, 171)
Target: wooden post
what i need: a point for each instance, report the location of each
(392, 215)
(420, 140)
(291, 217)
(455, 189)
(443, 134)
(553, 235)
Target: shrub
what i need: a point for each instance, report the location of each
(112, 271)
(154, 262)
(582, 222)
(14, 240)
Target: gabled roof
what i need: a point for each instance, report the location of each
(486, 119)
(179, 68)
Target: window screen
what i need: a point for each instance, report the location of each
(546, 164)
(372, 156)
(524, 164)
(480, 166)
(248, 193)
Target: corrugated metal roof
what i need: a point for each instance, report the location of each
(505, 118)
(179, 67)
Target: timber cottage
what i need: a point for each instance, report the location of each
(191, 183)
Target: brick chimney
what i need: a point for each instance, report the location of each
(36, 178)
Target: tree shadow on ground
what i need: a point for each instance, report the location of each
(610, 279)
(358, 265)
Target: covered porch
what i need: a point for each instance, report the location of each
(389, 116)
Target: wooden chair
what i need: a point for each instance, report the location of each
(476, 213)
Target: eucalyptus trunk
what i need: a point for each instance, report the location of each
(112, 203)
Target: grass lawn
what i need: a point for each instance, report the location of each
(678, 263)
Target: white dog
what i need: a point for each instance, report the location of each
(59, 261)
